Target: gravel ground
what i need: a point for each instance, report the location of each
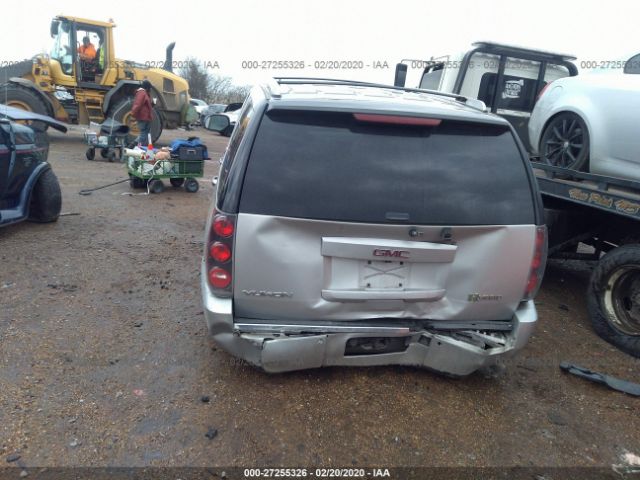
(105, 360)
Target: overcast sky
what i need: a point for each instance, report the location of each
(362, 31)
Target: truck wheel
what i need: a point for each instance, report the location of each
(25, 99)
(121, 112)
(46, 199)
(614, 298)
(565, 142)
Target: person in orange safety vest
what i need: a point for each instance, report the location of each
(87, 51)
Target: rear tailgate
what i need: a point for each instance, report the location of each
(347, 220)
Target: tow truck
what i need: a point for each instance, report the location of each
(583, 211)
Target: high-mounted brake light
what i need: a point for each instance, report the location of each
(397, 119)
(538, 263)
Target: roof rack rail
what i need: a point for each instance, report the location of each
(356, 83)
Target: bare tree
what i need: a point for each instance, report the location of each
(237, 93)
(194, 72)
(210, 87)
(218, 88)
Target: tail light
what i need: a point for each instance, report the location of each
(219, 252)
(538, 263)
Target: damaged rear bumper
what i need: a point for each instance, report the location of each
(281, 347)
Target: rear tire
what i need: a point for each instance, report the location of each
(46, 198)
(121, 112)
(176, 182)
(565, 142)
(91, 153)
(613, 298)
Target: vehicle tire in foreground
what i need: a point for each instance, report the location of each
(565, 142)
(614, 298)
(121, 112)
(46, 198)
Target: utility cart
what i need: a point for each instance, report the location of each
(180, 172)
(604, 213)
(111, 140)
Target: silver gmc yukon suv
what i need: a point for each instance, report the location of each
(363, 224)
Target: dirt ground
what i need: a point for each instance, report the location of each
(105, 360)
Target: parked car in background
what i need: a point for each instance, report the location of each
(321, 251)
(506, 78)
(590, 122)
(28, 187)
(198, 104)
(211, 109)
(231, 112)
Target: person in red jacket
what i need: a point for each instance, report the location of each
(141, 111)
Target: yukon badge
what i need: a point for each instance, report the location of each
(478, 297)
(266, 293)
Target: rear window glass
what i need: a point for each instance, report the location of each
(330, 166)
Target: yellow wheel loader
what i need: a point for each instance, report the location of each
(79, 86)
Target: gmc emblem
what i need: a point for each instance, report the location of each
(381, 252)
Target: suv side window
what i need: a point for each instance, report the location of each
(234, 143)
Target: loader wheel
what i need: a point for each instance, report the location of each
(121, 112)
(614, 298)
(25, 99)
(46, 199)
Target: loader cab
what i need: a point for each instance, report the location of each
(81, 50)
(507, 79)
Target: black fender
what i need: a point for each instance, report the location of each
(23, 82)
(128, 87)
(28, 186)
(25, 196)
